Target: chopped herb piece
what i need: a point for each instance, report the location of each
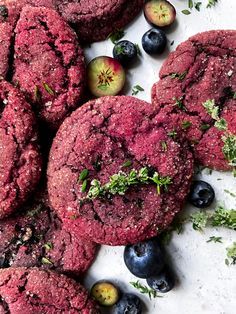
(234, 95)
(128, 163)
(205, 127)
(116, 35)
(179, 103)
(180, 76)
(211, 3)
(48, 89)
(224, 218)
(186, 125)
(46, 261)
(172, 134)
(190, 4)
(199, 220)
(229, 148)
(172, 43)
(186, 12)
(215, 239)
(211, 108)
(197, 6)
(48, 246)
(138, 50)
(164, 146)
(161, 181)
(37, 94)
(230, 193)
(84, 186)
(145, 290)
(83, 175)
(136, 89)
(221, 124)
(231, 254)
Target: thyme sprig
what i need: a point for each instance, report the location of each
(120, 182)
(145, 290)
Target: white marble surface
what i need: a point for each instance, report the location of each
(206, 285)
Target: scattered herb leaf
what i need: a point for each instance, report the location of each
(48, 89)
(46, 261)
(205, 127)
(215, 239)
(48, 246)
(197, 6)
(172, 134)
(190, 4)
(84, 186)
(164, 146)
(37, 95)
(180, 76)
(211, 3)
(179, 103)
(136, 89)
(128, 163)
(116, 35)
(230, 193)
(186, 12)
(83, 175)
(186, 125)
(138, 49)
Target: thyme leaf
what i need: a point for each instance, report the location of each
(48, 89)
(136, 89)
(116, 35)
(211, 3)
(215, 239)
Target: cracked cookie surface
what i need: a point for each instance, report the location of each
(20, 160)
(101, 136)
(33, 291)
(36, 237)
(202, 68)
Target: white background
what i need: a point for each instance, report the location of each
(205, 284)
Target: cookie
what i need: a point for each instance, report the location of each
(30, 290)
(20, 160)
(100, 137)
(202, 68)
(36, 237)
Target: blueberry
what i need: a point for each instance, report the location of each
(144, 259)
(125, 52)
(201, 194)
(163, 282)
(129, 304)
(154, 41)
